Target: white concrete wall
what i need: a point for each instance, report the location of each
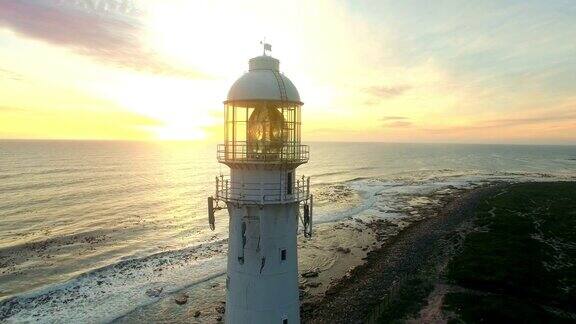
(268, 293)
(265, 185)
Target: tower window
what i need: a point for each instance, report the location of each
(289, 183)
(285, 321)
(283, 254)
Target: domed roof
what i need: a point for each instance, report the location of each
(263, 81)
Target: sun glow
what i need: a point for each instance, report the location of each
(217, 39)
(187, 34)
(179, 132)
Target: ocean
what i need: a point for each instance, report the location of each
(89, 223)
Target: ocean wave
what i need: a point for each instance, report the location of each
(118, 288)
(326, 174)
(47, 172)
(71, 196)
(39, 246)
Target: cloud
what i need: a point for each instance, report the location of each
(10, 75)
(109, 36)
(386, 92)
(5, 109)
(546, 118)
(395, 122)
(330, 131)
(387, 118)
(398, 124)
(557, 117)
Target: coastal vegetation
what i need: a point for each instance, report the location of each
(519, 264)
(511, 260)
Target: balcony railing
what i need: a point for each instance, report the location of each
(260, 192)
(242, 152)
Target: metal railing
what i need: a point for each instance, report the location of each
(243, 152)
(262, 192)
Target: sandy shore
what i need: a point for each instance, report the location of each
(356, 296)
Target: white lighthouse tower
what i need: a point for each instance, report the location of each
(263, 195)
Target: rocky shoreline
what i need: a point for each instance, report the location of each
(339, 279)
(348, 267)
(420, 249)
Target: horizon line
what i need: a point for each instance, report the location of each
(218, 142)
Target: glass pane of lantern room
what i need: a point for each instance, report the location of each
(229, 123)
(228, 131)
(240, 120)
(240, 132)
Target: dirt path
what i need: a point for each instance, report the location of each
(353, 299)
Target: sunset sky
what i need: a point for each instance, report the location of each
(393, 71)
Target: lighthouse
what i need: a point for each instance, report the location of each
(266, 199)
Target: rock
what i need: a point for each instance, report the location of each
(330, 292)
(219, 318)
(197, 314)
(343, 250)
(220, 309)
(181, 299)
(306, 307)
(313, 284)
(310, 274)
(154, 292)
(303, 294)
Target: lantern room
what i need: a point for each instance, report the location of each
(262, 118)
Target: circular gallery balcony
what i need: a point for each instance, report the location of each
(243, 153)
(262, 193)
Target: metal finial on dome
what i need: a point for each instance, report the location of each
(266, 46)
